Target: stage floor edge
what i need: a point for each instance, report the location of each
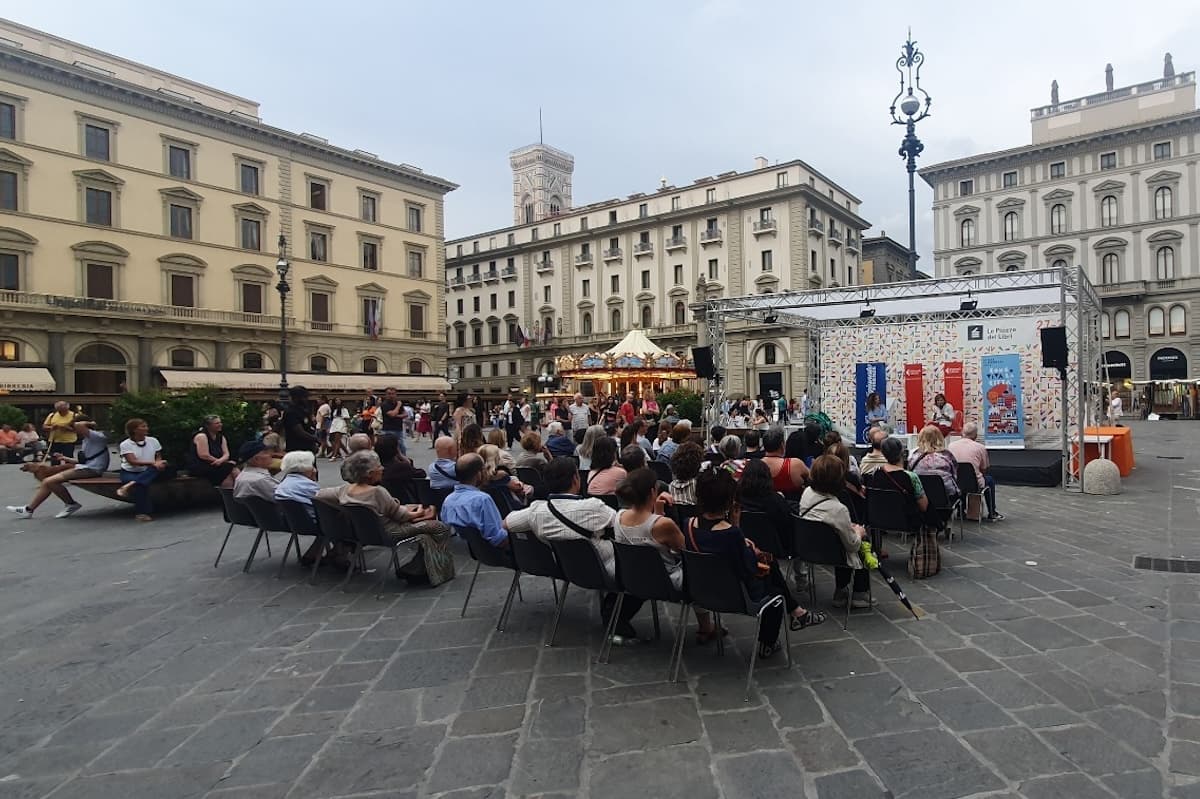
(1020, 467)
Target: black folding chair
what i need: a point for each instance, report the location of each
(335, 526)
(759, 528)
(583, 477)
(968, 486)
(484, 554)
(505, 501)
(711, 583)
(533, 477)
(237, 514)
(889, 512)
(369, 532)
(941, 509)
(270, 519)
(301, 522)
(818, 544)
(684, 513)
(535, 557)
(428, 495)
(640, 572)
(582, 567)
(662, 470)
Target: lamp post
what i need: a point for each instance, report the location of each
(911, 112)
(282, 266)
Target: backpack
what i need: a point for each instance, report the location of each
(819, 418)
(925, 556)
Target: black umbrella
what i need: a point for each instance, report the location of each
(895, 586)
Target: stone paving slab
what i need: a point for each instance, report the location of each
(1044, 666)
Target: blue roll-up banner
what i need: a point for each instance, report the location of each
(868, 378)
(1003, 406)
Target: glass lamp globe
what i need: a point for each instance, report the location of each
(910, 105)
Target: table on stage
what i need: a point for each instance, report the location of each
(1118, 441)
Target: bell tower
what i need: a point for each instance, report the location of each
(541, 182)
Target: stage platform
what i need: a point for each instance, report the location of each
(1021, 467)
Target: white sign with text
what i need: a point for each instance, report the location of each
(997, 334)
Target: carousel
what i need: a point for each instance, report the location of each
(634, 365)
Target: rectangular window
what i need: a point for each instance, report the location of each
(512, 299)
(458, 251)
(416, 263)
(1058, 170)
(248, 177)
(512, 239)
(1162, 150)
(713, 269)
(96, 142)
(1010, 179)
(546, 294)
(370, 316)
(416, 318)
(833, 269)
(495, 368)
(512, 367)
(181, 221)
(370, 208)
(415, 213)
(251, 233)
(558, 228)
(459, 305)
(675, 203)
(252, 298)
(710, 195)
(370, 255)
(781, 180)
(492, 301)
(767, 260)
(318, 246)
(764, 214)
(533, 235)
(318, 195)
(612, 217)
(8, 191)
(460, 337)
(677, 232)
(966, 188)
(644, 237)
(812, 260)
(583, 223)
(319, 311)
(183, 291)
(645, 278)
(97, 207)
(615, 280)
(179, 162)
(100, 283)
(475, 304)
(10, 271)
(710, 224)
(643, 210)
(1108, 160)
(479, 370)
(585, 288)
(678, 274)
(8, 121)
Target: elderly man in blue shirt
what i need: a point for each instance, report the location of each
(442, 472)
(468, 506)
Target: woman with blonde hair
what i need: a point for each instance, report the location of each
(497, 437)
(498, 476)
(932, 457)
(584, 450)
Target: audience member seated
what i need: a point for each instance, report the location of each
(91, 461)
(533, 453)
(821, 503)
(642, 522)
(752, 444)
(29, 439)
(565, 515)
(788, 475)
(255, 480)
(512, 492)
(874, 457)
(10, 443)
(632, 457)
(606, 473)
(756, 494)
(498, 438)
(427, 561)
(853, 495)
(681, 433)
(685, 466)
(558, 442)
(209, 455)
(662, 436)
(399, 473)
(729, 455)
(716, 433)
(359, 442)
(469, 506)
(712, 533)
(583, 452)
(470, 439)
(832, 439)
(932, 457)
(441, 472)
(892, 476)
(968, 450)
(298, 482)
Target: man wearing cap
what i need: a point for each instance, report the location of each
(255, 479)
(92, 462)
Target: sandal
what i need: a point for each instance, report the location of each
(766, 650)
(811, 618)
(703, 637)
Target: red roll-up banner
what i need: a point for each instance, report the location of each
(914, 396)
(952, 386)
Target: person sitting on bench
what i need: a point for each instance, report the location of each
(92, 462)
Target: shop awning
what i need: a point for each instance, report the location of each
(26, 378)
(267, 381)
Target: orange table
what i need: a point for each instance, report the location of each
(1120, 451)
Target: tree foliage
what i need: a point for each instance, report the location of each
(175, 418)
(687, 403)
(12, 415)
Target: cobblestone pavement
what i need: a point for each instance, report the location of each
(1045, 666)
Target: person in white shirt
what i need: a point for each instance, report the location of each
(322, 423)
(141, 464)
(1114, 408)
(943, 414)
(578, 412)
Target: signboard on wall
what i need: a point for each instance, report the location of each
(1003, 409)
(869, 378)
(952, 384)
(914, 397)
(997, 334)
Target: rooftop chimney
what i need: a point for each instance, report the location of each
(760, 162)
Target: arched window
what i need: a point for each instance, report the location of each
(91, 374)
(681, 313)
(1164, 263)
(1105, 326)
(966, 233)
(1058, 219)
(318, 363)
(1012, 268)
(183, 357)
(252, 360)
(1156, 321)
(1178, 320)
(1010, 226)
(9, 350)
(1121, 324)
(1164, 203)
(100, 354)
(370, 366)
(1059, 263)
(587, 323)
(1108, 211)
(1110, 268)
(647, 319)
(968, 272)
(769, 354)
(616, 319)
(416, 367)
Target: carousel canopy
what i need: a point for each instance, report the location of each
(632, 357)
(636, 343)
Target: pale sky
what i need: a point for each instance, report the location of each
(639, 90)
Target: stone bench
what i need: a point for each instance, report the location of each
(181, 491)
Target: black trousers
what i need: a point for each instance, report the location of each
(841, 577)
(629, 609)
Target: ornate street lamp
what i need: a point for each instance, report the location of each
(282, 266)
(911, 112)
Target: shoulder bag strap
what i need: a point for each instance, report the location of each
(583, 531)
(815, 504)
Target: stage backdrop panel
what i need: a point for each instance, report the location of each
(932, 344)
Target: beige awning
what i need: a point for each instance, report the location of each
(265, 381)
(636, 343)
(26, 378)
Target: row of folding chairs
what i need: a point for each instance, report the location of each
(709, 582)
(356, 526)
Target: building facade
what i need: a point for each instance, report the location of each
(1109, 183)
(885, 260)
(579, 280)
(139, 219)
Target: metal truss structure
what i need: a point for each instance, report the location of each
(1064, 293)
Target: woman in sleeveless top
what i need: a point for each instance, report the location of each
(209, 455)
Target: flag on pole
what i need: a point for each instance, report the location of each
(373, 322)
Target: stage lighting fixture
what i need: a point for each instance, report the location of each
(866, 313)
(771, 318)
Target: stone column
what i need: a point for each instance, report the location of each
(145, 361)
(56, 360)
(222, 356)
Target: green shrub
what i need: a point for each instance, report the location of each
(12, 416)
(687, 403)
(175, 418)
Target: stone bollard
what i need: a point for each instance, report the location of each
(1101, 477)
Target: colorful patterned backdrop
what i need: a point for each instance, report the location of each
(930, 344)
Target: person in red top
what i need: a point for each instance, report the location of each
(626, 411)
(788, 475)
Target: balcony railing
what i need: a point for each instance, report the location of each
(1129, 288)
(851, 242)
(508, 272)
(583, 258)
(816, 226)
(711, 234)
(612, 254)
(643, 248)
(457, 282)
(491, 275)
(676, 243)
(545, 266)
(764, 226)
(475, 277)
(835, 234)
(92, 306)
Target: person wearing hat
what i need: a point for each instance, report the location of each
(92, 461)
(255, 480)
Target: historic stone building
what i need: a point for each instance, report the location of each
(139, 220)
(885, 260)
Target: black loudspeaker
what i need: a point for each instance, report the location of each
(703, 360)
(1054, 348)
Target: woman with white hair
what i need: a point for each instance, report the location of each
(584, 450)
(428, 561)
(298, 482)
